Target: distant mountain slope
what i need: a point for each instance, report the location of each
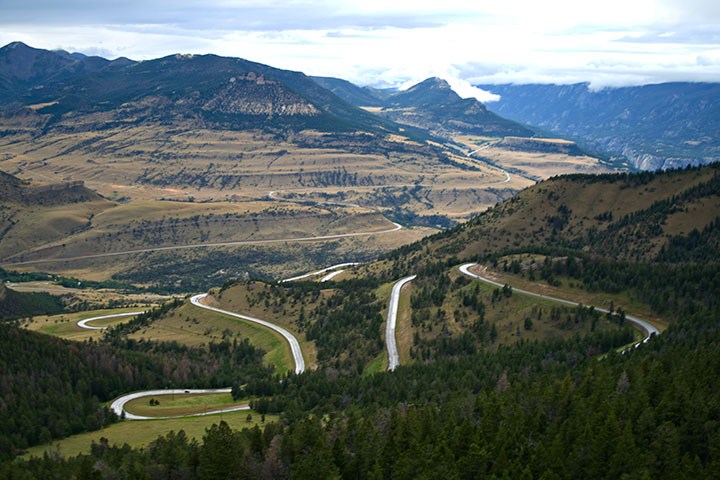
(432, 105)
(31, 215)
(348, 91)
(23, 68)
(654, 126)
(210, 90)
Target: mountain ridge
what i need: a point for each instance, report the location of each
(665, 125)
(431, 104)
(183, 85)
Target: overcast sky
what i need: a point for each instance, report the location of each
(398, 42)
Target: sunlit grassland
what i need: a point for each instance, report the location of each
(65, 325)
(181, 404)
(139, 433)
(190, 325)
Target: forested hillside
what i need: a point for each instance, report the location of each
(493, 384)
(541, 410)
(52, 388)
(18, 304)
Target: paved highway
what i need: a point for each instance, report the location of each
(393, 358)
(118, 405)
(396, 227)
(318, 272)
(331, 275)
(507, 175)
(84, 323)
(294, 345)
(649, 329)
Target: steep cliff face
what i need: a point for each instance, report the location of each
(653, 126)
(253, 94)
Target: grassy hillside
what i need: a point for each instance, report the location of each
(43, 224)
(625, 216)
(642, 243)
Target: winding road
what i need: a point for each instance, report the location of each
(118, 405)
(318, 272)
(650, 329)
(294, 344)
(84, 323)
(393, 303)
(396, 227)
(507, 175)
(331, 275)
(393, 357)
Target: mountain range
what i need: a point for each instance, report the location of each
(653, 126)
(231, 92)
(207, 89)
(210, 127)
(432, 105)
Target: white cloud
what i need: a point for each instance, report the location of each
(709, 58)
(466, 90)
(380, 43)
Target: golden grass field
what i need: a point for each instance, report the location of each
(91, 297)
(140, 433)
(142, 168)
(286, 259)
(182, 404)
(159, 162)
(156, 162)
(532, 165)
(64, 325)
(146, 224)
(190, 325)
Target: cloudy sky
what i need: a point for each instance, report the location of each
(398, 42)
